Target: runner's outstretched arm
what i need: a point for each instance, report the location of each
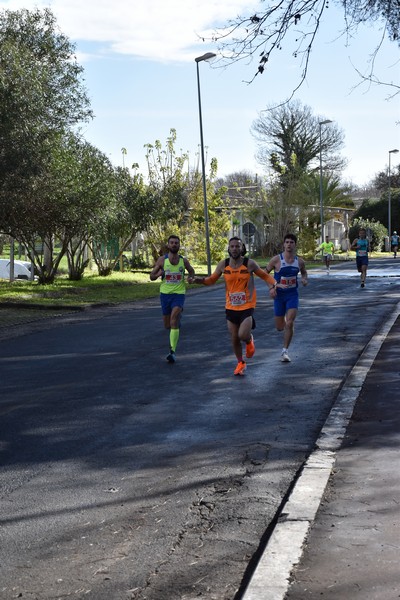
(211, 279)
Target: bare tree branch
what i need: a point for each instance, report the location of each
(263, 34)
(371, 78)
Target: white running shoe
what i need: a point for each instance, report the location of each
(285, 356)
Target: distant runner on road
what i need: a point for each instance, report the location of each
(240, 297)
(394, 242)
(361, 246)
(171, 268)
(286, 267)
(328, 249)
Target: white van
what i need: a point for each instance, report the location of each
(22, 269)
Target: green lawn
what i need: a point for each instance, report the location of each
(92, 289)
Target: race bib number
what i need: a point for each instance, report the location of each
(289, 282)
(237, 298)
(362, 253)
(173, 277)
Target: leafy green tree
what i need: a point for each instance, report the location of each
(193, 230)
(44, 216)
(170, 186)
(335, 195)
(292, 143)
(83, 185)
(130, 210)
(288, 141)
(77, 189)
(381, 180)
(334, 192)
(179, 204)
(41, 98)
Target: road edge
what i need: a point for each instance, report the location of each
(271, 577)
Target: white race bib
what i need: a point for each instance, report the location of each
(237, 298)
(289, 282)
(172, 277)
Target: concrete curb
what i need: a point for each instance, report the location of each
(271, 577)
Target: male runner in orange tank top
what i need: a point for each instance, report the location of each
(240, 297)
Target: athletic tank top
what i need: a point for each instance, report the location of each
(240, 292)
(173, 280)
(362, 247)
(287, 275)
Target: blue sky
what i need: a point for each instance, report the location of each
(141, 77)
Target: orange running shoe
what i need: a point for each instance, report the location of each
(250, 348)
(240, 368)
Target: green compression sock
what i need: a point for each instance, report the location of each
(173, 338)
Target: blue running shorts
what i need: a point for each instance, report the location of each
(283, 302)
(169, 301)
(361, 260)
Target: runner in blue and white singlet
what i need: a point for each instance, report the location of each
(286, 267)
(287, 275)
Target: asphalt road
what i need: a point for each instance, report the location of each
(124, 477)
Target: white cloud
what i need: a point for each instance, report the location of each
(131, 111)
(158, 30)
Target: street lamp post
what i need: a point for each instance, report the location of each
(321, 201)
(390, 200)
(199, 59)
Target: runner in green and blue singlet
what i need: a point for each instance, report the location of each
(171, 268)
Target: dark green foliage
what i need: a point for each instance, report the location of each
(377, 210)
(381, 180)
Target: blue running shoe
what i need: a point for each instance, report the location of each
(171, 358)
